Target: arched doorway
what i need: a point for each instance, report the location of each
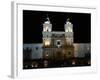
(59, 55)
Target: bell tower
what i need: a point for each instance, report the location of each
(69, 39)
(69, 32)
(47, 33)
(47, 28)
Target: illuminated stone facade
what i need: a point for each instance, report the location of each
(56, 44)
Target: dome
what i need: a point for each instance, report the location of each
(68, 21)
(47, 22)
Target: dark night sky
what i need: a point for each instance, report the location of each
(33, 24)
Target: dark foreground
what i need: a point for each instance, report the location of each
(47, 63)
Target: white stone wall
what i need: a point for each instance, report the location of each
(36, 50)
(81, 49)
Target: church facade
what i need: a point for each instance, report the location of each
(57, 49)
(58, 44)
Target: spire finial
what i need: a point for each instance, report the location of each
(68, 19)
(48, 18)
